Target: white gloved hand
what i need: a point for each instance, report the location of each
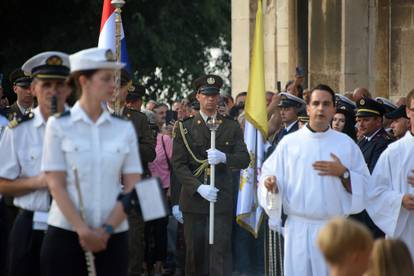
(178, 215)
(208, 192)
(215, 157)
(276, 225)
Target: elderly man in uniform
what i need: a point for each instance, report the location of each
(146, 143)
(134, 97)
(21, 86)
(191, 156)
(20, 174)
(374, 141)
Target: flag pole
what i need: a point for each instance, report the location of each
(118, 4)
(213, 125)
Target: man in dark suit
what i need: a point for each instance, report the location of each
(290, 106)
(191, 158)
(21, 86)
(374, 141)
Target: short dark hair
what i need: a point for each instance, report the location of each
(323, 87)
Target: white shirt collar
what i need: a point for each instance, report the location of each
(372, 135)
(38, 117)
(205, 117)
(290, 126)
(77, 113)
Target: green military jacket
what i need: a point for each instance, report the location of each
(145, 138)
(229, 139)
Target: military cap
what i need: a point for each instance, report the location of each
(93, 59)
(47, 65)
(289, 100)
(367, 107)
(396, 114)
(344, 109)
(135, 92)
(388, 105)
(341, 100)
(208, 84)
(17, 77)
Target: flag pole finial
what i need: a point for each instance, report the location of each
(118, 4)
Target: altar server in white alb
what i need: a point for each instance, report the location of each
(104, 150)
(391, 188)
(319, 173)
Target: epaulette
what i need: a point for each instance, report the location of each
(18, 120)
(227, 117)
(119, 117)
(62, 114)
(188, 118)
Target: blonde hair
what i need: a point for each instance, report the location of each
(341, 237)
(390, 258)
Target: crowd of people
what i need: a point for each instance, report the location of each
(73, 148)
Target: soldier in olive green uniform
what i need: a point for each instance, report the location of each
(191, 158)
(146, 145)
(21, 86)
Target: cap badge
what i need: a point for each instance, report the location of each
(54, 61)
(343, 107)
(109, 55)
(211, 80)
(380, 101)
(362, 102)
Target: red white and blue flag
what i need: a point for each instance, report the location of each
(107, 37)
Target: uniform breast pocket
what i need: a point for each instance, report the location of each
(31, 160)
(76, 154)
(113, 156)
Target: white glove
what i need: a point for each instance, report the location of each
(276, 225)
(178, 215)
(216, 157)
(208, 192)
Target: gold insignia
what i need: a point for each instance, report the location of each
(30, 115)
(220, 121)
(227, 143)
(362, 102)
(128, 115)
(109, 55)
(211, 80)
(198, 122)
(54, 61)
(343, 107)
(13, 123)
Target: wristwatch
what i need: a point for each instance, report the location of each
(345, 175)
(108, 228)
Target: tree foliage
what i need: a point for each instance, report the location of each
(167, 40)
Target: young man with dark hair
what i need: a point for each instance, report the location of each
(330, 182)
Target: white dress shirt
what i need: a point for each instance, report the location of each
(102, 152)
(21, 150)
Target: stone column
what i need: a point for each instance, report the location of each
(325, 42)
(240, 45)
(355, 45)
(379, 80)
(401, 48)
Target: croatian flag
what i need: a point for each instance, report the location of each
(107, 37)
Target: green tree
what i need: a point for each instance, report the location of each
(167, 40)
